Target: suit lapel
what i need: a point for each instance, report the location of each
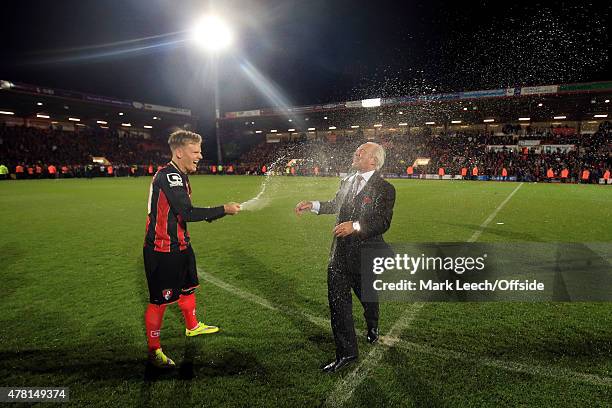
(368, 186)
(352, 207)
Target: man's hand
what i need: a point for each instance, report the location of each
(344, 229)
(231, 208)
(303, 206)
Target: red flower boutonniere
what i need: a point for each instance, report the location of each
(367, 200)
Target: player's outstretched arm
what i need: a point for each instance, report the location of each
(210, 214)
(180, 202)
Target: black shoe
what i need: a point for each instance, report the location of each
(339, 364)
(372, 335)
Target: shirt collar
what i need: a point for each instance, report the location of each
(366, 176)
(173, 164)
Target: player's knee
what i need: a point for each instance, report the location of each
(156, 307)
(154, 312)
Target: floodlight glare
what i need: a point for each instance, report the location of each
(212, 33)
(370, 103)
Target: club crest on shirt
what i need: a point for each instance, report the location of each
(167, 293)
(175, 180)
(367, 200)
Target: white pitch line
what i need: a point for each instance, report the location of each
(344, 389)
(393, 340)
(491, 217)
(238, 292)
(553, 372)
(261, 301)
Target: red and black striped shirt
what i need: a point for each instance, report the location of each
(170, 210)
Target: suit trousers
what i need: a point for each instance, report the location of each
(340, 281)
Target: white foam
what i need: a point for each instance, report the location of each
(261, 201)
(258, 202)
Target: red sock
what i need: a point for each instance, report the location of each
(187, 303)
(153, 322)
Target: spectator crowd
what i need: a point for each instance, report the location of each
(516, 153)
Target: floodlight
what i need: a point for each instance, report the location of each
(212, 33)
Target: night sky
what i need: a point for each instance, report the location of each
(311, 51)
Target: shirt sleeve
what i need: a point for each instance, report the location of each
(333, 206)
(316, 206)
(173, 186)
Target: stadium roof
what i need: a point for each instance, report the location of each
(550, 103)
(469, 97)
(30, 100)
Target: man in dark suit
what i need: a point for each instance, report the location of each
(364, 204)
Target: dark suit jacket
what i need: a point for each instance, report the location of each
(372, 207)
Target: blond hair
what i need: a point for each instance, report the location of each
(181, 138)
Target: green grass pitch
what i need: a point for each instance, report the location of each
(74, 292)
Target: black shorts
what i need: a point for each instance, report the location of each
(170, 274)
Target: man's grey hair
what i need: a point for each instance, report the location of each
(378, 154)
(181, 138)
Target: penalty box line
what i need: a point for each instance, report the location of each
(491, 217)
(393, 340)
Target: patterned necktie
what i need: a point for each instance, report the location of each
(356, 184)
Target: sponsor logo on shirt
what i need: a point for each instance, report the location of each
(175, 180)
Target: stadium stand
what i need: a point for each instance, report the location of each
(46, 132)
(517, 133)
(132, 155)
(579, 150)
(31, 147)
(451, 152)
